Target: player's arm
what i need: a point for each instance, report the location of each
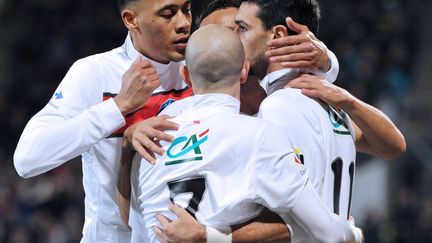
(267, 227)
(316, 219)
(75, 118)
(303, 50)
(282, 185)
(149, 129)
(123, 182)
(375, 133)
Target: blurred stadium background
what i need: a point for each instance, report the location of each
(384, 50)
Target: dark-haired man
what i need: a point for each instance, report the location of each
(220, 12)
(101, 96)
(326, 139)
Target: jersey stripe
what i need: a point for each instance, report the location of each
(150, 109)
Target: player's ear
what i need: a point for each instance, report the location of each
(244, 72)
(279, 31)
(130, 20)
(184, 74)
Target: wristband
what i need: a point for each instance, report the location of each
(216, 236)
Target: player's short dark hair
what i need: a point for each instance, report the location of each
(216, 5)
(274, 12)
(121, 4)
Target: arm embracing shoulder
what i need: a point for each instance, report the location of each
(282, 186)
(74, 119)
(316, 219)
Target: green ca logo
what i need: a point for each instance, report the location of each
(183, 146)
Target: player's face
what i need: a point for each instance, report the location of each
(254, 38)
(164, 29)
(224, 17)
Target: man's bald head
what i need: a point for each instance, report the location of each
(214, 58)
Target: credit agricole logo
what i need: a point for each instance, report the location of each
(186, 148)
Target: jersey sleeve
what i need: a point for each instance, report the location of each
(74, 119)
(315, 218)
(331, 74)
(282, 186)
(290, 110)
(278, 180)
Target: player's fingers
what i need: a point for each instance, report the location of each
(148, 71)
(159, 135)
(164, 124)
(151, 77)
(159, 233)
(143, 64)
(179, 211)
(296, 27)
(297, 64)
(152, 147)
(286, 50)
(155, 83)
(311, 93)
(137, 61)
(287, 41)
(301, 82)
(143, 152)
(164, 221)
(294, 57)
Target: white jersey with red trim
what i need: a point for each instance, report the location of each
(82, 119)
(218, 167)
(323, 140)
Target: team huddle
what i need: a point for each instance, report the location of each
(232, 133)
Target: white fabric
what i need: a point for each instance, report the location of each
(216, 236)
(238, 164)
(76, 122)
(293, 73)
(319, 138)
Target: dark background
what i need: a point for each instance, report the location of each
(383, 48)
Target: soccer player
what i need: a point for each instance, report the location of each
(210, 169)
(101, 96)
(325, 139)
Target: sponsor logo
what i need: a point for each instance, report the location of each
(338, 122)
(186, 148)
(165, 104)
(57, 96)
(298, 156)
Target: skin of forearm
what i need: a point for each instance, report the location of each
(378, 135)
(267, 227)
(123, 184)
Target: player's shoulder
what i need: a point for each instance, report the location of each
(291, 100)
(114, 56)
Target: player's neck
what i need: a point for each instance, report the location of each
(273, 67)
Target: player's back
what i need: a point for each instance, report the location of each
(323, 143)
(210, 167)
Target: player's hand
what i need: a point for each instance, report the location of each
(138, 83)
(360, 231)
(145, 135)
(184, 229)
(299, 51)
(319, 88)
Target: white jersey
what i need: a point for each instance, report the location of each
(323, 140)
(82, 119)
(219, 167)
(222, 167)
